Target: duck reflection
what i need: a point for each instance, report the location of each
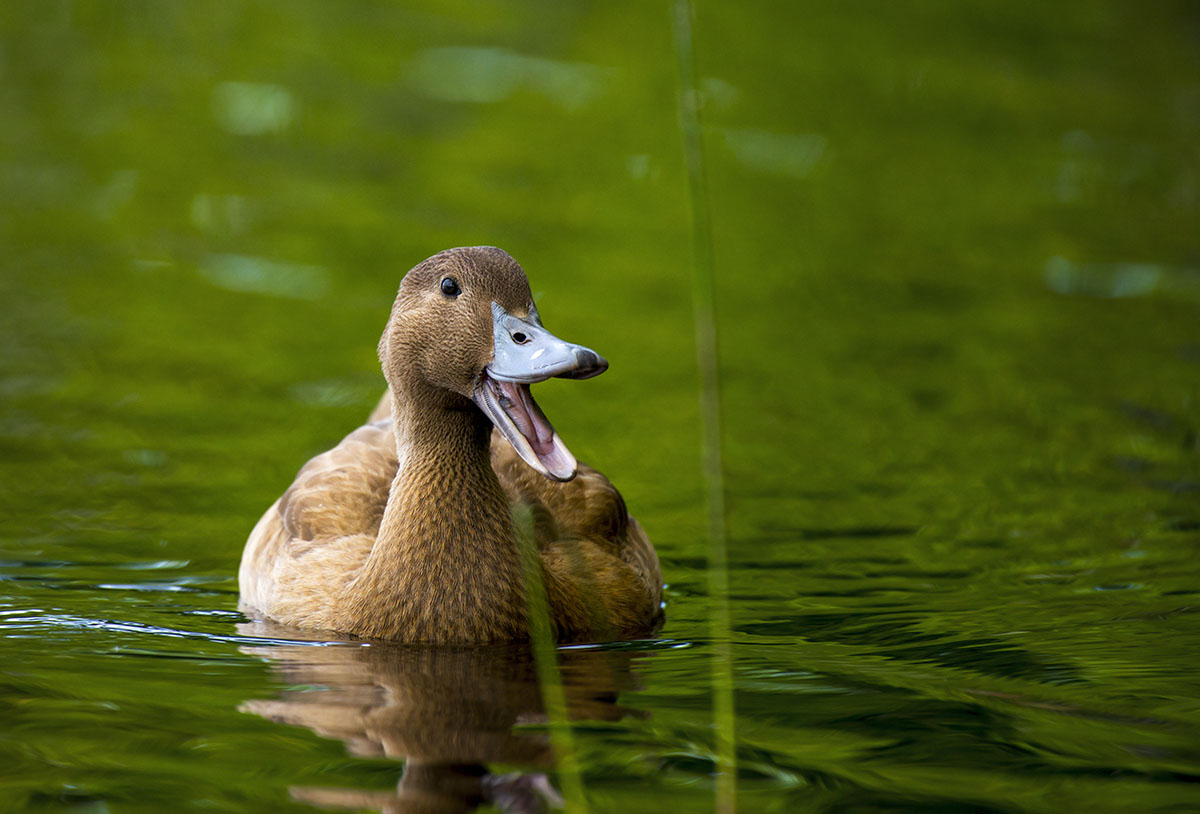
(446, 711)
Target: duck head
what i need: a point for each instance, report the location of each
(464, 333)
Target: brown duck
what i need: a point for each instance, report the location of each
(409, 528)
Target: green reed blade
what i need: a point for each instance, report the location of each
(704, 306)
(545, 657)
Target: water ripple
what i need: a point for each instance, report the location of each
(62, 621)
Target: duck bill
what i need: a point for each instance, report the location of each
(526, 353)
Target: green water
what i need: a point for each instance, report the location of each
(957, 257)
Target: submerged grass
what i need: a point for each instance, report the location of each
(704, 307)
(545, 657)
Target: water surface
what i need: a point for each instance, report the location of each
(958, 287)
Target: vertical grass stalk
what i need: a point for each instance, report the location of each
(545, 659)
(704, 307)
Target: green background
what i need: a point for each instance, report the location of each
(958, 304)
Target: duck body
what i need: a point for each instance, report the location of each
(410, 529)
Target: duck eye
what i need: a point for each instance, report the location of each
(450, 287)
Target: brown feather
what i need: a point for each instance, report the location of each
(405, 530)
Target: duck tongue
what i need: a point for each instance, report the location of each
(512, 409)
(518, 402)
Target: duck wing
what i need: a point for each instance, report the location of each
(311, 542)
(603, 576)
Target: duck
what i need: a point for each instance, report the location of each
(412, 528)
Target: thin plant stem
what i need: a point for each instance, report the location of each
(545, 658)
(704, 307)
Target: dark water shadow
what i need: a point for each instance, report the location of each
(900, 636)
(448, 712)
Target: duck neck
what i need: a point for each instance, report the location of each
(445, 564)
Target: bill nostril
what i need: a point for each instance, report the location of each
(520, 338)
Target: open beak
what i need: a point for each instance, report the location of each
(526, 353)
